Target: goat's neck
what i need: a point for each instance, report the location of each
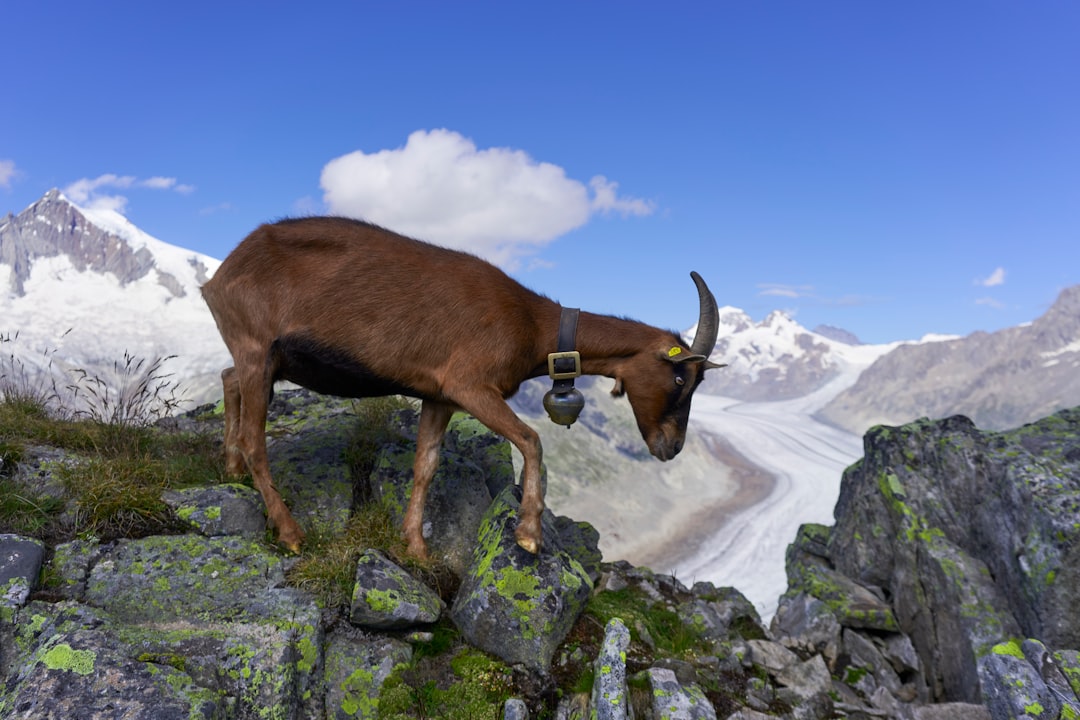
(605, 342)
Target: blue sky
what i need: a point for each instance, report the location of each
(894, 169)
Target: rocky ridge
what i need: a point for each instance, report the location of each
(942, 591)
(999, 380)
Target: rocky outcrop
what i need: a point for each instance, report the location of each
(951, 546)
(1000, 380)
(943, 591)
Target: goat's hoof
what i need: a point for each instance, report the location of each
(292, 541)
(529, 544)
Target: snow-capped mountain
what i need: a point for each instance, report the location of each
(778, 359)
(80, 287)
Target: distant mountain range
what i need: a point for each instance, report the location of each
(87, 285)
(1000, 380)
(82, 286)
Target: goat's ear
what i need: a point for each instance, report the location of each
(618, 390)
(677, 355)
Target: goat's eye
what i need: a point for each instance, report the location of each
(679, 380)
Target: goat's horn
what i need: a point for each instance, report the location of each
(709, 321)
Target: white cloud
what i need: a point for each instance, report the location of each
(990, 302)
(788, 291)
(994, 279)
(159, 183)
(7, 172)
(88, 192)
(499, 203)
(605, 200)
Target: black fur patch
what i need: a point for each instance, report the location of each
(327, 370)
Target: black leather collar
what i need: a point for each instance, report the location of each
(565, 364)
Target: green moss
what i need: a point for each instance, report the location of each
(1034, 708)
(671, 636)
(467, 685)
(383, 601)
(853, 675)
(64, 657)
(1012, 647)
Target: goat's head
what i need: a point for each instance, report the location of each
(660, 381)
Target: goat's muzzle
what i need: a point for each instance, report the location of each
(665, 448)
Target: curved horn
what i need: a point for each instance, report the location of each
(708, 322)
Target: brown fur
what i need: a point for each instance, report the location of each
(351, 309)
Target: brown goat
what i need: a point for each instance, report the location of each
(347, 308)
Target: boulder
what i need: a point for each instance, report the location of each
(386, 597)
(511, 603)
(356, 667)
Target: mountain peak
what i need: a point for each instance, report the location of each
(53, 227)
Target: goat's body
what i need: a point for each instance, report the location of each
(347, 308)
(415, 302)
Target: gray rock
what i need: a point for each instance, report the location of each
(20, 565)
(573, 707)
(812, 573)
(972, 534)
(901, 653)
(222, 578)
(83, 672)
(386, 597)
(71, 563)
(1068, 661)
(719, 613)
(515, 605)
(673, 701)
(806, 624)
(748, 714)
(951, 711)
(865, 655)
(770, 655)
(515, 709)
(610, 695)
(356, 668)
(1012, 688)
(806, 679)
(228, 509)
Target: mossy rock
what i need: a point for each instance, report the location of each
(513, 604)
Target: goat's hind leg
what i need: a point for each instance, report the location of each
(254, 392)
(434, 417)
(234, 458)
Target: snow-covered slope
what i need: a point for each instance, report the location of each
(778, 359)
(86, 285)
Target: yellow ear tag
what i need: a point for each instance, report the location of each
(674, 351)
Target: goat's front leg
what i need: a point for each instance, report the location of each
(434, 417)
(492, 411)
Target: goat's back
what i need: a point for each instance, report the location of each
(398, 306)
